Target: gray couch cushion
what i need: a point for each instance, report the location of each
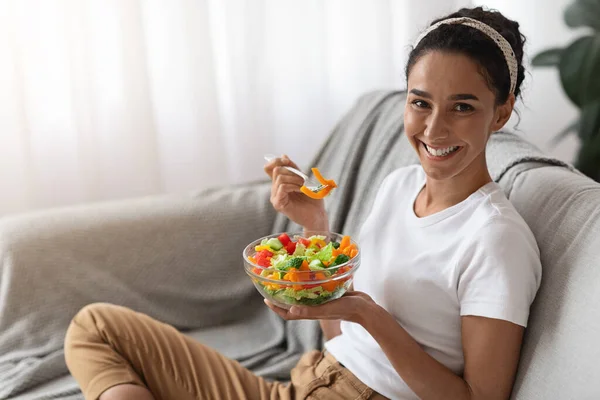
(561, 350)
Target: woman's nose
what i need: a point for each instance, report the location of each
(436, 128)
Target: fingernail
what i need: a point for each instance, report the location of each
(295, 310)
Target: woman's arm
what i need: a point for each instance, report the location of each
(330, 328)
(491, 350)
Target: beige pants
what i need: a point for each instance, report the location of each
(108, 345)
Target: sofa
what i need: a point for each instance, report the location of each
(178, 259)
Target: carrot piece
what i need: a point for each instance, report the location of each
(304, 266)
(344, 243)
(353, 253)
(330, 286)
(319, 276)
(291, 275)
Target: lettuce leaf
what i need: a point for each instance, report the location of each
(279, 261)
(326, 253)
(300, 250)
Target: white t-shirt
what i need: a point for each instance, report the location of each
(477, 257)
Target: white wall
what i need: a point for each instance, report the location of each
(102, 100)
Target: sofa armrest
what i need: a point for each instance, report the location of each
(177, 258)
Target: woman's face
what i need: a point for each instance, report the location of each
(450, 114)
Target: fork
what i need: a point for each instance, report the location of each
(309, 182)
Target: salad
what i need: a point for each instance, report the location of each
(303, 260)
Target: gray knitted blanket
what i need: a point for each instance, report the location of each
(178, 258)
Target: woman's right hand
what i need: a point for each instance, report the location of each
(287, 198)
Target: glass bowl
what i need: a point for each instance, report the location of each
(292, 286)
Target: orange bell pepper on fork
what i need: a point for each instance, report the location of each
(328, 184)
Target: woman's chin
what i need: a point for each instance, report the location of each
(437, 173)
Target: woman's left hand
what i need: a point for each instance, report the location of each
(353, 306)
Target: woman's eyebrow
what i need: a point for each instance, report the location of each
(460, 96)
(420, 93)
(463, 96)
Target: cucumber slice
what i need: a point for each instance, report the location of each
(275, 244)
(316, 265)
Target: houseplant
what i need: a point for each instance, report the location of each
(579, 68)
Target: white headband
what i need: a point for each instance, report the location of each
(509, 54)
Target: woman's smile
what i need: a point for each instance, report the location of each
(438, 153)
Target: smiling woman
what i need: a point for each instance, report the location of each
(449, 316)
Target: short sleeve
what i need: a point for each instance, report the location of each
(500, 272)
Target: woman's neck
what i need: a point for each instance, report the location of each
(437, 195)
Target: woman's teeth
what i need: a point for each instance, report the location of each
(441, 152)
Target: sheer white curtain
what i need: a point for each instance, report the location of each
(107, 99)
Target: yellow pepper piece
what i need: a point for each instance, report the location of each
(318, 241)
(264, 247)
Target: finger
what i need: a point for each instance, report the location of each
(286, 189)
(279, 176)
(336, 309)
(289, 161)
(323, 311)
(354, 293)
(279, 170)
(283, 171)
(289, 179)
(271, 165)
(277, 162)
(280, 198)
(282, 312)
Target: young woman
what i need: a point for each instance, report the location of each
(444, 320)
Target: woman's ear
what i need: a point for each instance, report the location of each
(503, 113)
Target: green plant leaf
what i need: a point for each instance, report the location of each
(573, 127)
(547, 58)
(588, 159)
(590, 121)
(583, 13)
(580, 68)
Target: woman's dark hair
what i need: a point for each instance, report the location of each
(456, 38)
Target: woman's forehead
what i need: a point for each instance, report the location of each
(446, 73)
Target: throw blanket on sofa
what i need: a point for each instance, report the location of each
(144, 254)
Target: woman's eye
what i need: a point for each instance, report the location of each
(420, 104)
(463, 107)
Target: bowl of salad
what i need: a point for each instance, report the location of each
(291, 269)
